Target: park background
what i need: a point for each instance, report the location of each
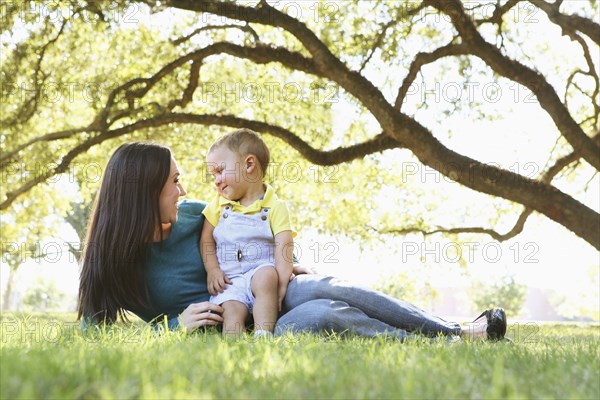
(346, 214)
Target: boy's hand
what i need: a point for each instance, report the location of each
(217, 281)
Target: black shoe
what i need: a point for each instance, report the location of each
(496, 323)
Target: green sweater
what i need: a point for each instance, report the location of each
(175, 272)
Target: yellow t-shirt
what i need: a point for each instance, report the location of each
(279, 217)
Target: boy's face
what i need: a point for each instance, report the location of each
(228, 170)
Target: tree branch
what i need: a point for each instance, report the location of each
(136, 88)
(421, 59)
(377, 42)
(323, 61)
(544, 198)
(396, 126)
(546, 177)
(569, 22)
(383, 31)
(518, 228)
(499, 12)
(27, 110)
(330, 157)
(591, 72)
(188, 93)
(520, 73)
(331, 67)
(244, 28)
(45, 138)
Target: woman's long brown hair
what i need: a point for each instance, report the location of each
(124, 220)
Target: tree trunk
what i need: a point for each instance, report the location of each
(8, 291)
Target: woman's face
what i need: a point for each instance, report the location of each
(170, 194)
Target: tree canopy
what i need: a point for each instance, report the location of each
(334, 86)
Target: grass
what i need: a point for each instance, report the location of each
(46, 356)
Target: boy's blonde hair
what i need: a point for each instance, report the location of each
(243, 142)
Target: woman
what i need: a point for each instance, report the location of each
(142, 256)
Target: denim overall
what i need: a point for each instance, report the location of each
(245, 243)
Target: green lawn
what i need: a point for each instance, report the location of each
(48, 357)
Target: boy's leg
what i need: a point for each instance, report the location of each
(234, 318)
(264, 288)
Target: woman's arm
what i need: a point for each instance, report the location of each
(217, 281)
(301, 270)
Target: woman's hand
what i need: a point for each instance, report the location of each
(200, 314)
(300, 270)
(217, 281)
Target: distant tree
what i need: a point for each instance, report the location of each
(43, 295)
(586, 304)
(77, 216)
(402, 286)
(22, 233)
(506, 293)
